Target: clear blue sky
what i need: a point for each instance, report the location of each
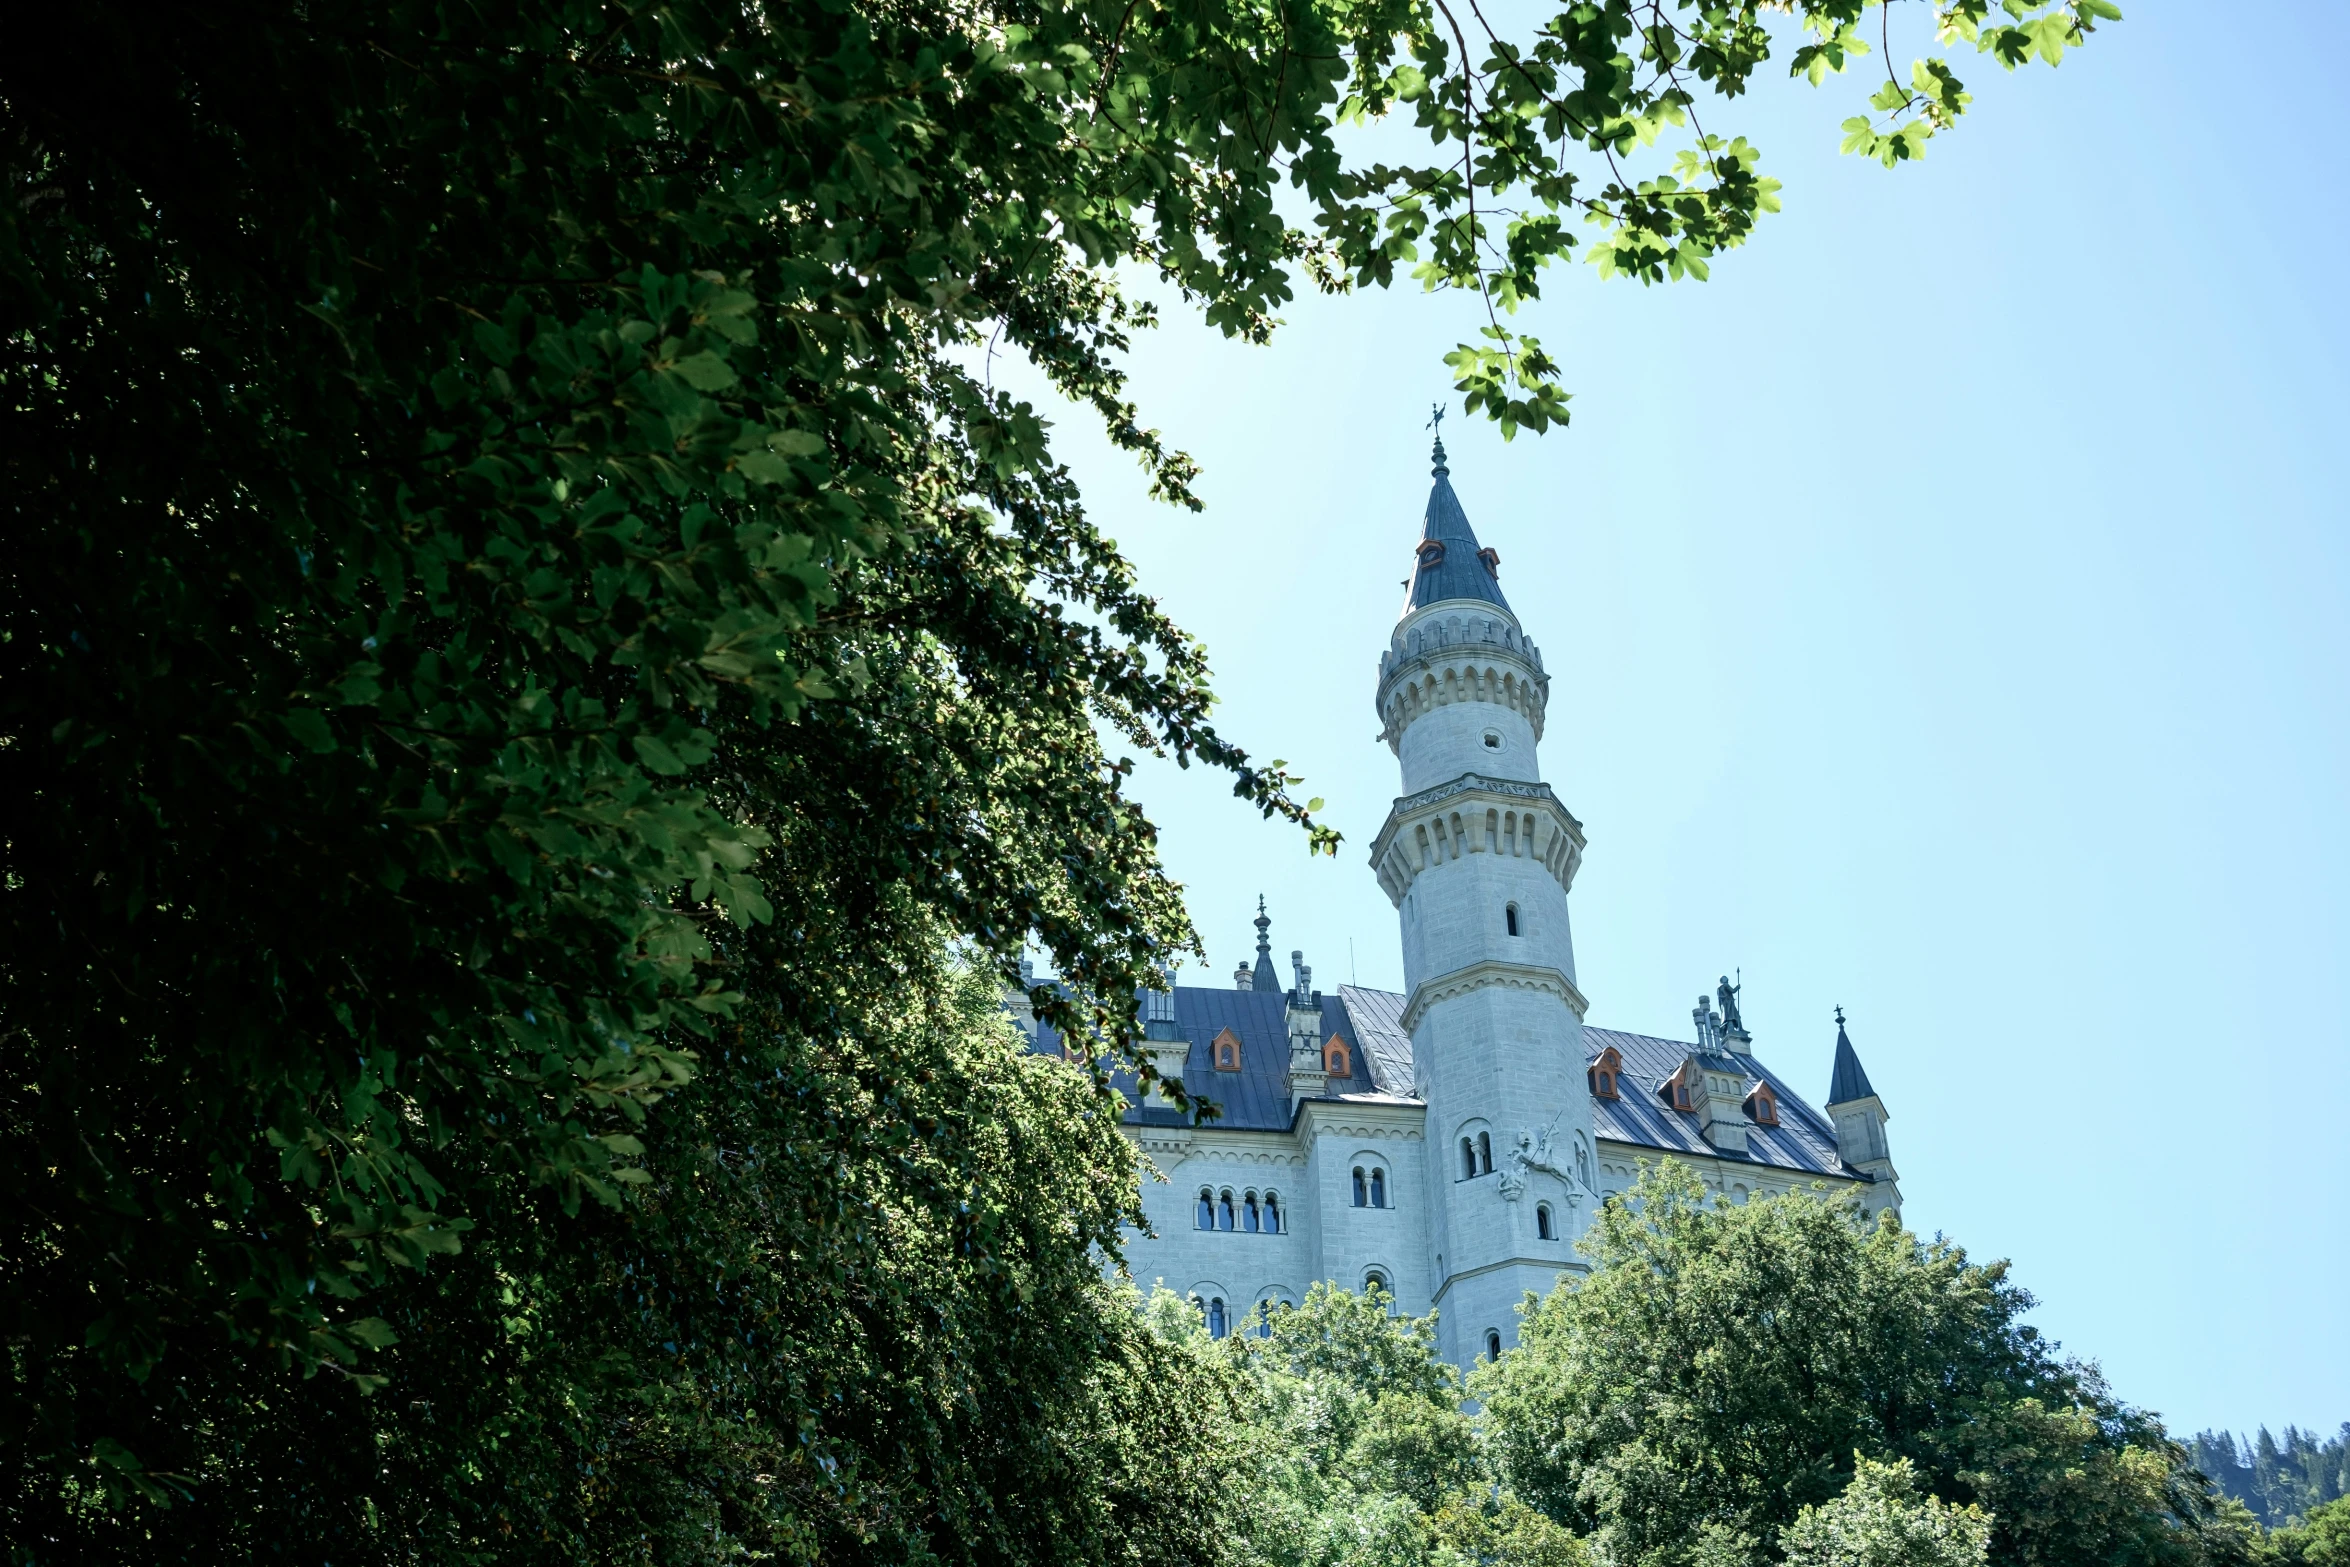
(1948, 616)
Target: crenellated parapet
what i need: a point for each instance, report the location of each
(1474, 814)
(1461, 651)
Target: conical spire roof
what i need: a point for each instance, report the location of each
(1451, 565)
(1849, 1082)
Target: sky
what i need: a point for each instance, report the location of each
(1947, 610)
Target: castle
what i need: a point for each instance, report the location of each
(1450, 1144)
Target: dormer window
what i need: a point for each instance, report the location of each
(1337, 1060)
(1491, 558)
(1677, 1090)
(1431, 553)
(1604, 1074)
(1763, 1105)
(1227, 1051)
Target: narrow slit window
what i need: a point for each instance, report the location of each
(1492, 1345)
(1542, 1223)
(1510, 918)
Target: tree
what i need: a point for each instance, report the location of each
(1718, 1370)
(2320, 1540)
(1359, 1452)
(501, 515)
(1880, 1520)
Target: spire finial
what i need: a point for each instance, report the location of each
(1436, 423)
(1265, 978)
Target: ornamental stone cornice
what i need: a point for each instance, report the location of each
(1475, 814)
(1490, 974)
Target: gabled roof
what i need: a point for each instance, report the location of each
(1455, 571)
(1256, 1098)
(1848, 1081)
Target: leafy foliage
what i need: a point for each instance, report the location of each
(857, 1313)
(520, 607)
(1881, 1521)
(1720, 1368)
(2322, 1539)
(1357, 1450)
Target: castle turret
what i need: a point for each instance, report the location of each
(1478, 856)
(1860, 1117)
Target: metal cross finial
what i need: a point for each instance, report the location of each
(1839, 1017)
(1436, 419)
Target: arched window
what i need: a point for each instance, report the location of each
(1218, 1326)
(1227, 1049)
(1492, 1343)
(1207, 1209)
(1248, 1213)
(1272, 1214)
(1374, 1283)
(1378, 1187)
(1264, 1319)
(1362, 1192)
(1227, 1213)
(1542, 1222)
(1484, 1153)
(1336, 1059)
(1468, 1160)
(1510, 916)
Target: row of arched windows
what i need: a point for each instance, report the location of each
(1247, 1213)
(1223, 1320)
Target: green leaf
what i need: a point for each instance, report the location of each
(657, 755)
(309, 727)
(705, 371)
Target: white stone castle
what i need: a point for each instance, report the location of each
(1449, 1145)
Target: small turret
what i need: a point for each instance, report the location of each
(1860, 1117)
(1162, 1037)
(1309, 1072)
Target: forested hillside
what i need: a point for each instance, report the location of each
(2280, 1481)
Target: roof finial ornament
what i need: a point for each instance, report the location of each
(1436, 423)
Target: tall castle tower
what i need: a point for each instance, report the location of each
(1478, 856)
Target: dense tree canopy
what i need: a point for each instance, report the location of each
(523, 636)
(1722, 1366)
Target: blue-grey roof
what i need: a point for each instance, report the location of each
(1803, 1140)
(1849, 1081)
(1455, 572)
(1256, 1098)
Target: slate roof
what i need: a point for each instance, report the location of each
(1803, 1140)
(1256, 1098)
(1457, 573)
